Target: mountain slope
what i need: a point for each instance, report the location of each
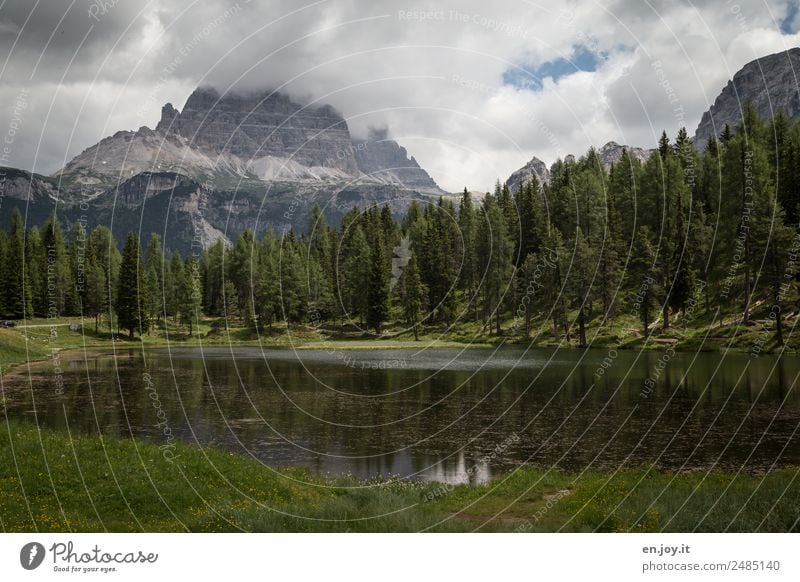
(771, 83)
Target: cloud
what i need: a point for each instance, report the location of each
(444, 76)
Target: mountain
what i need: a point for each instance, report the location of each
(386, 161)
(264, 136)
(770, 83)
(610, 154)
(535, 167)
(222, 164)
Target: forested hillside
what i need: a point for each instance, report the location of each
(683, 234)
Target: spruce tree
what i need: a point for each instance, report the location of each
(16, 287)
(131, 303)
(378, 291)
(412, 293)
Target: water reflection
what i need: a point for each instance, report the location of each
(445, 415)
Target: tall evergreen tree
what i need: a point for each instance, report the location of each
(131, 305)
(378, 291)
(16, 288)
(412, 293)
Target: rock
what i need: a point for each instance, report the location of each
(386, 161)
(220, 139)
(168, 116)
(770, 83)
(535, 167)
(265, 124)
(611, 153)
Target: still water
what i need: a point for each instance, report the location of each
(436, 414)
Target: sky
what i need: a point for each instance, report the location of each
(472, 89)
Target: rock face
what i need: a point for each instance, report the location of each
(263, 124)
(771, 83)
(263, 136)
(388, 162)
(227, 163)
(535, 167)
(611, 153)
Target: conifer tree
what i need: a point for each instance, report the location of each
(412, 293)
(378, 291)
(131, 303)
(16, 288)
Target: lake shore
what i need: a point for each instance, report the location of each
(40, 339)
(77, 483)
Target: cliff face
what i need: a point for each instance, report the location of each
(535, 167)
(225, 163)
(387, 161)
(263, 124)
(263, 136)
(771, 83)
(611, 153)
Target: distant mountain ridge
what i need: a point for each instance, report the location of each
(610, 154)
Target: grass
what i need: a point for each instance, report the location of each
(622, 332)
(53, 482)
(14, 348)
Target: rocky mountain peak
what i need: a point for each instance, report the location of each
(535, 167)
(611, 153)
(770, 83)
(261, 135)
(386, 161)
(256, 125)
(168, 116)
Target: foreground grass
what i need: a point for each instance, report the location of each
(52, 482)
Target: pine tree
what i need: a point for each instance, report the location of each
(131, 305)
(230, 302)
(496, 255)
(16, 287)
(644, 281)
(3, 251)
(356, 273)
(378, 291)
(154, 264)
(176, 283)
(77, 269)
(213, 276)
(57, 268)
(580, 283)
(35, 263)
(412, 293)
(191, 294)
(106, 256)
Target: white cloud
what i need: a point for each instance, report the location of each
(430, 70)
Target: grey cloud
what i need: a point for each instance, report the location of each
(430, 70)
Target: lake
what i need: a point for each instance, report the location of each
(448, 415)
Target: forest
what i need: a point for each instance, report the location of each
(684, 232)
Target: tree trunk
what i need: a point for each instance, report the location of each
(581, 329)
(779, 325)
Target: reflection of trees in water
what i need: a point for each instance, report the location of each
(421, 420)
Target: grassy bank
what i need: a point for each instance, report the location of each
(50, 481)
(36, 338)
